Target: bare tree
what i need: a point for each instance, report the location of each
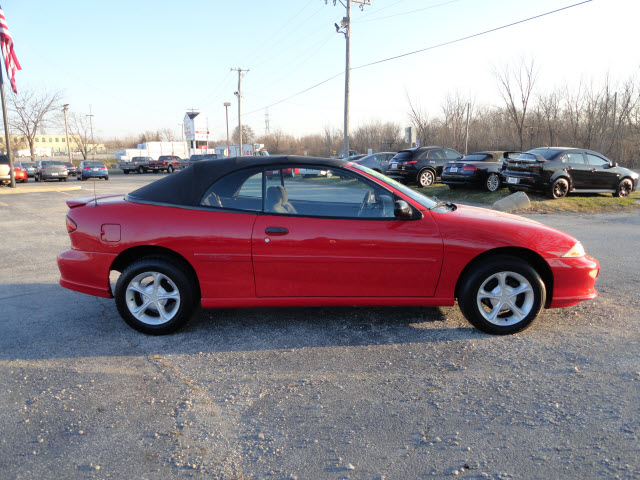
(420, 119)
(31, 112)
(549, 109)
(80, 130)
(248, 136)
(454, 110)
(515, 84)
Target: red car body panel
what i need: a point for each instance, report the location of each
(315, 261)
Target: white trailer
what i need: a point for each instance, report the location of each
(247, 149)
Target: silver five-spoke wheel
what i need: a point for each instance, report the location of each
(153, 298)
(505, 298)
(501, 294)
(156, 294)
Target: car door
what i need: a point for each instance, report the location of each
(340, 238)
(577, 169)
(601, 175)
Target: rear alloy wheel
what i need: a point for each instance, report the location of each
(625, 187)
(170, 169)
(154, 296)
(559, 189)
(140, 170)
(426, 178)
(502, 296)
(493, 182)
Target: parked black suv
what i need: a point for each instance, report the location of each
(557, 171)
(421, 165)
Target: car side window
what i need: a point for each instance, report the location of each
(241, 190)
(436, 154)
(451, 154)
(317, 192)
(573, 158)
(595, 160)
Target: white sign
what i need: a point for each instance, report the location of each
(196, 127)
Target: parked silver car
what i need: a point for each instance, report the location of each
(51, 170)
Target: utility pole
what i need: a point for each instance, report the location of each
(267, 130)
(239, 95)
(346, 25)
(226, 111)
(65, 107)
(93, 146)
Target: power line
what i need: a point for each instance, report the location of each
(407, 13)
(424, 50)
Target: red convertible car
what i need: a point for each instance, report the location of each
(223, 233)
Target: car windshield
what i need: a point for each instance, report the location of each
(423, 200)
(93, 164)
(524, 156)
(52, 162)
(69, 164)
(196, 157)
(28, 164)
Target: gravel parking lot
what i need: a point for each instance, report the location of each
(315, 393)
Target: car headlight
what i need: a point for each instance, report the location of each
(576, 251)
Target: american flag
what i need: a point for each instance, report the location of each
(10, 59)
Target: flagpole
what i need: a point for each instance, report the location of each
(6, 130)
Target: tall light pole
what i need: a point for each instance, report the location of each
(226, 109)
(65, 107)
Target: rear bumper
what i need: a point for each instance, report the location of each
(86, 272)
(573, 280)
(461, 180)
(402, 175)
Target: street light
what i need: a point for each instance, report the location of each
(66, 128)
(226, 109)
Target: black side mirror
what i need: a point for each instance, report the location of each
(402, 210)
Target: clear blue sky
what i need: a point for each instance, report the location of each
(141, 64)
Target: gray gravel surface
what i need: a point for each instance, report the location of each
(336, 393)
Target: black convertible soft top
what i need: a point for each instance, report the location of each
(187, 186)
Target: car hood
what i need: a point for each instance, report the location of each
(486, 229)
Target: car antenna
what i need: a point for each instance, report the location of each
(95, 198)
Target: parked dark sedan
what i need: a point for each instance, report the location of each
(420, 165)
(71, 168)
(480, 169)
(376, 161)
(556, 171)
(92, 169)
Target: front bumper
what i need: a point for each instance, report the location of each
(86, 272)
(574, 280)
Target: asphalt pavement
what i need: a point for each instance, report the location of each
(310, 393)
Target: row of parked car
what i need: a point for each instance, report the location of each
(555, 171)
(164, 163)
(44, 170)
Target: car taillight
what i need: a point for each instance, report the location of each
(103, 168)
(411, 162)
(86, 168)
(71, 225)
(41, 168)
(469, 168)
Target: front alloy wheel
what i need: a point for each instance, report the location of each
(502, 296)
(154, 296)
(426, 178)
(624, 189)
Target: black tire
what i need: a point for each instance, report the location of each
(66, 179)
(170, 169)
(624, 188)
(141, 170)
(492, 183)
(106, 178)
(426, 178)
(176, 285)
(126, 172)
(35, 178)
(485, 280)
(83, 178)
(559, 188)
